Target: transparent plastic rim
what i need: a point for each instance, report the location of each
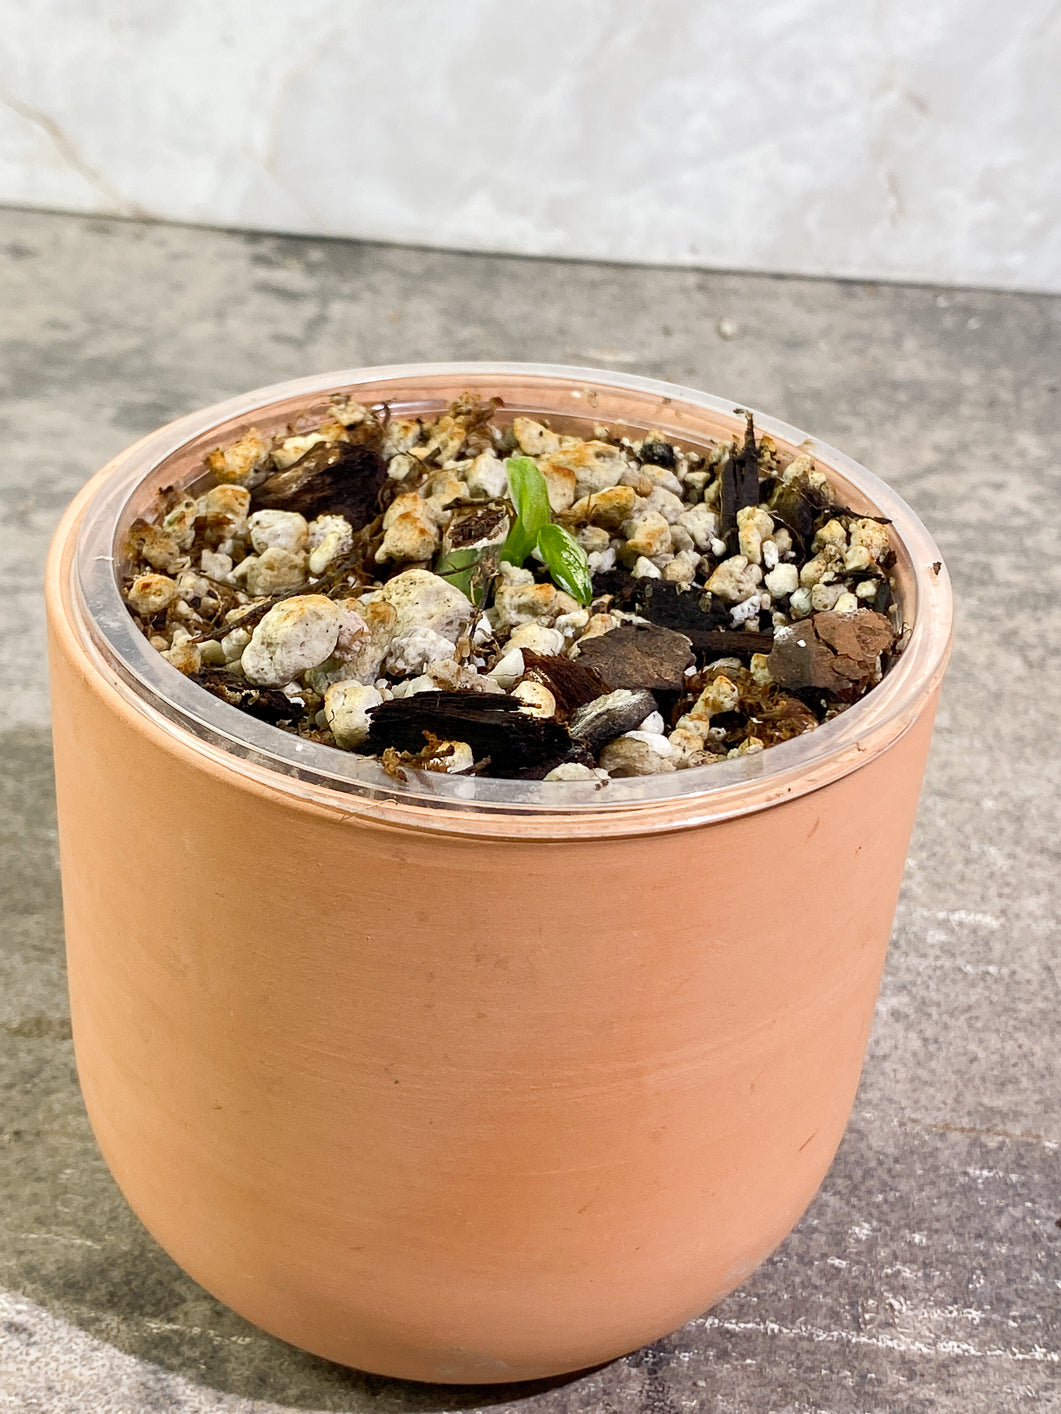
(325, 775)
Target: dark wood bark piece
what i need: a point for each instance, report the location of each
(832, 651)
(738, 484)
(571, 682)
(493, 725)
(641, 655)
(333, 478)
(268, 704)
(690, 611)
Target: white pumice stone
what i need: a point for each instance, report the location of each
(346, 706)
(294, 635)
(534, 439)
(857, 560)
(572, 771)
(538, 639)
(735, 580)
(234, 643)
(719, 696)
(330, 538)
(412, 533)
(293, 449)
(184, 656)
(753, 526)
(243, 462)
(831, 533)
(180, 523)
(873, 536)
(455, 756)
(825, 596)
(509, 669)
(647, 534)
(799, 605)
(666, 503)
(487, 478)
(682, 569)
(400, 435)
(284, 530)
(745, 611)
(274, 571)
(410, 653)
(152, 593)
(216, 564)
(593, 538)
(424, 600)
(702, 524)
(759, 667)
(411, 686)
(571, 625)
(782, 581)
(537, 699)
(601, 560)
(645, 569)
(228, 500)
(656, 740)
(627, 756)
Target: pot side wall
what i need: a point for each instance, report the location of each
(450, 1108)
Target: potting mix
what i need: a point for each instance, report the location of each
(471, 594)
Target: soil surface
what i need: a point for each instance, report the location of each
(377, 585)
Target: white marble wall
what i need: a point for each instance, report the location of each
(900, 139)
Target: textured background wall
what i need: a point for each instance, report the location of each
(890, 139)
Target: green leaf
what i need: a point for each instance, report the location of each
(566, 561)
(530, 496)
(458, 567)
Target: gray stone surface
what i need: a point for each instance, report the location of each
(927, 1274)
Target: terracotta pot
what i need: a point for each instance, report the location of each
(473, 1081)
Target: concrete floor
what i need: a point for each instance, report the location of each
(927, 1273)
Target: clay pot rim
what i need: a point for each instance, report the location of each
(85, 599)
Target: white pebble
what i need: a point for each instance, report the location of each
(572, 771)
(346, 706)
(294, 635)
(330, 537)
(509, 669)
(151, 593)
(537, 639)
(424, 600)
(656, 740)
(799, 605)
(782, 580)
(280, 530)
(537, 699)
(410, 653)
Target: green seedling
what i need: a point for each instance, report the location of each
(566, 561)
(533, 529)
(461, 568)
(530, 497)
